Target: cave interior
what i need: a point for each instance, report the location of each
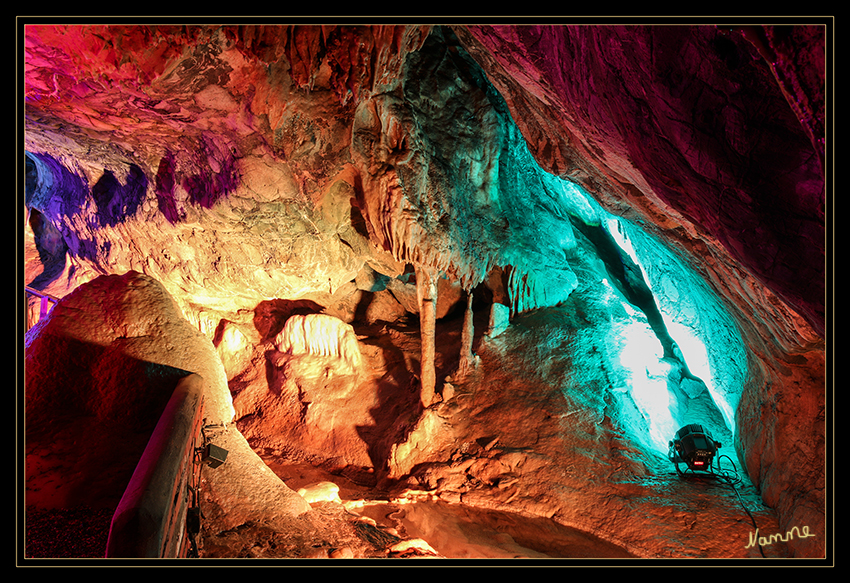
(459, 275)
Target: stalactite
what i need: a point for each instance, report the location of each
(320, 335)
(426, 288)
(467, 357)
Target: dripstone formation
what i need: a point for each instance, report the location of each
(490, 267)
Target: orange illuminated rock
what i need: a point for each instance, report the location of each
(268, 176)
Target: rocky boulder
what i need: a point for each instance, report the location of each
(99, 371)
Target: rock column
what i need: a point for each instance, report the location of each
(426, 288)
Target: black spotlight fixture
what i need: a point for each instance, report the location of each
(693, 446)
(213, 455)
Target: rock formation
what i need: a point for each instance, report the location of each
(99, 371)
(320, 335)
(495, 266)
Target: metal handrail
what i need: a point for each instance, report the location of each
(157, 516)
(154, 517)
(44, 304)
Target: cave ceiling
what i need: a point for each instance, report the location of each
(689, 131)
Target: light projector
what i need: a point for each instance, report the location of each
(693, 446)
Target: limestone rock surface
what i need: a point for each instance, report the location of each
(664, 116)
(641, 209)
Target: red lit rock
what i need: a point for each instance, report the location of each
(121, 331)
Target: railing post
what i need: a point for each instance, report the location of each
(45, 307)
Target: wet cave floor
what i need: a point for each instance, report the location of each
(453, 531)
(370, 521)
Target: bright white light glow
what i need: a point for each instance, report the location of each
(619, 235)
(692, 317)
(696, 357)
(233, 340)
(689, 342)
(640, 355)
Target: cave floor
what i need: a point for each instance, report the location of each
(473, 526)
(453, 531)
(372, 521)
(369, 521)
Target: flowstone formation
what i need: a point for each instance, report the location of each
(493, 268)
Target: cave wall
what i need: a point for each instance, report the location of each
(693, 118)
(714, 138)
(238, 165)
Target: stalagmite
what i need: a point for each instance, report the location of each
(426, 288)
